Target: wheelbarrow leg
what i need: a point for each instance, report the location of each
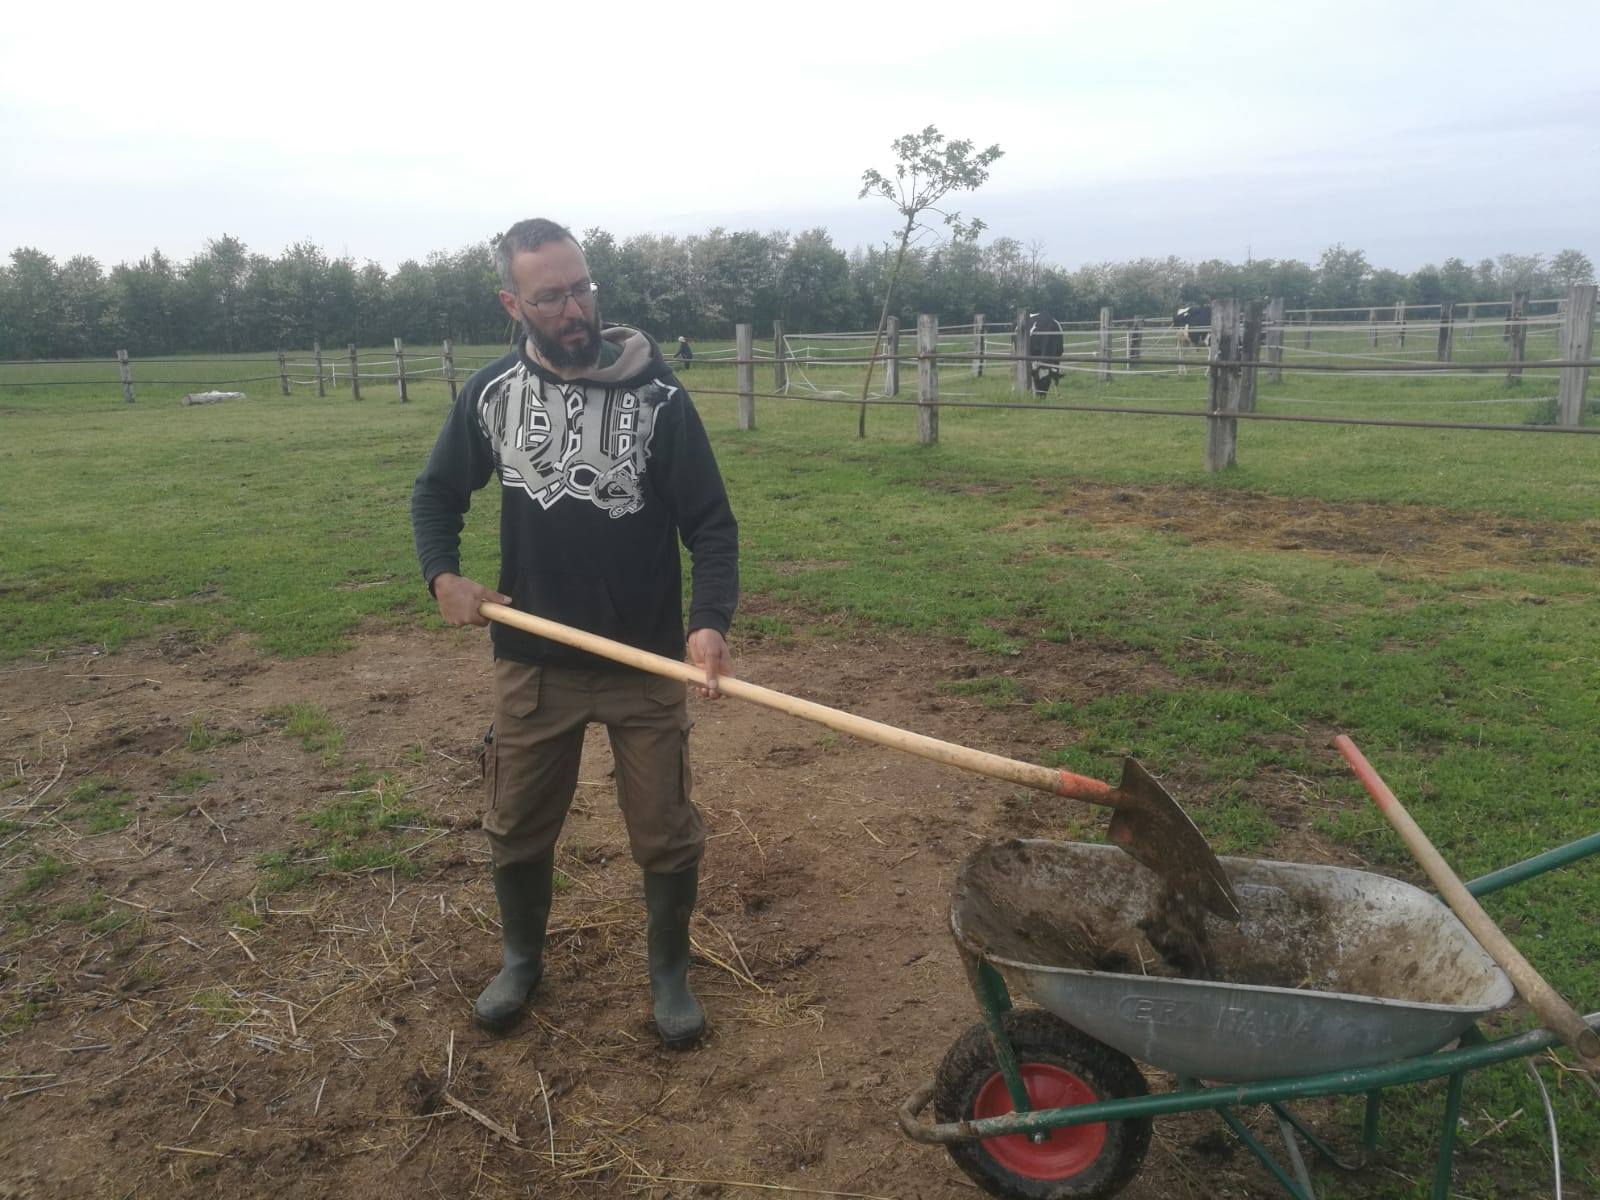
(1286, 1130)
(1452, 1118)
(994, 1002)
(1447, 1136)
(1300, 1189)
(1369, 1124)
(1315, 1142)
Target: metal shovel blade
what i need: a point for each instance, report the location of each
(1152, 827)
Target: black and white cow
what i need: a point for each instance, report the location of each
(1193, 325)
(1044, 344)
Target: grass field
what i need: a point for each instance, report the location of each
(1470, 678)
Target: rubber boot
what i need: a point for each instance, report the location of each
(523, 891)
(669, 901)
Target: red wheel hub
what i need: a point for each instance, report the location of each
(1064, 1152)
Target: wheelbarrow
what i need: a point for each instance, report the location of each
(1334, 982)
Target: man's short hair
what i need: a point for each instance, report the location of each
(523, 237)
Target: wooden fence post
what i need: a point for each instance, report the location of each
(1472, 320)
(355, 372)
(1372, 328)
(1135, 342)
(450, 367)
(1019, 350)
(283, 373)
(780, 367)
(1105, 345)
(1222, 430)
(400, 369)
(1400, 324)
(125, 369)
(1517, 335)
(1307, 334)
(927, 379)
(1577, 342)
(891, 363)
(977, 345)
(1274, 339)
(744, 350)
(1447, 316)
(1249, 351)
(316, 352)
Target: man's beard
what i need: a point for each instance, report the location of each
(554, 350)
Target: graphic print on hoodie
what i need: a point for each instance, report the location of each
(556, 441)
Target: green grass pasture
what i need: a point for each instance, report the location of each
(1476, 691)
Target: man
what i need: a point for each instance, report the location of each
(685, 355)
(603, 465)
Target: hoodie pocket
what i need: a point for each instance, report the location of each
(581, 601)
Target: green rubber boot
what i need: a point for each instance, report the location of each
(669, 901)
(523, 891)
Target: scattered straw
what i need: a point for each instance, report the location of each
(487, 1122)
(549, 1121)
(235, 936)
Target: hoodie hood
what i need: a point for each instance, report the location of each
(627, 356)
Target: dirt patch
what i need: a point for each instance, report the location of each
(1409, 539)
(208, 984)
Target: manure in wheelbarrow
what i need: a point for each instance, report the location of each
(1053, 906)
(1175, 927)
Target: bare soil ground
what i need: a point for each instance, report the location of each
(1409, 539)
(171, 1029)
(185, 1053)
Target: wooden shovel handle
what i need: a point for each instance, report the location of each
(1555, 1012)
(1044, 779)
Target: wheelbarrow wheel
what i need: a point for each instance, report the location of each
(1061, 1066)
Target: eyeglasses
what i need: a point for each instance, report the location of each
(553, 302)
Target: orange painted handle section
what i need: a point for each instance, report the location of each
(1081, 787)
(1545, 1001)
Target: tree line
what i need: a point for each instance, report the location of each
(228, 299)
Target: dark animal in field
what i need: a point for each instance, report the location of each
(1044, 345)
(1193, 325)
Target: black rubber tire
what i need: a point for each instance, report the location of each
(1044, 1038)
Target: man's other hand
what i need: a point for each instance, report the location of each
(459, 598)
(709, 652)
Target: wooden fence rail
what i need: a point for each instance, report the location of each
(1243, 341)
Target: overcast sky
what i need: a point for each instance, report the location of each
(1411, 130)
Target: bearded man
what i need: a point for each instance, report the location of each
(604, 466)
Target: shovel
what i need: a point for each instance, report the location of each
(1145, 821)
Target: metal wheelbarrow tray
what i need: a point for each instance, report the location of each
(1328, 968)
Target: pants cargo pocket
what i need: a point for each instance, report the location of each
(686, 772)
(487, 766)
(673, 693)
(516, 687)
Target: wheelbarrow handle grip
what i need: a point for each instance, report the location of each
(1545, 1001)
(1044, 779)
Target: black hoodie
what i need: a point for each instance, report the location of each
(600, 478)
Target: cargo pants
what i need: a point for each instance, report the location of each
(535, 746)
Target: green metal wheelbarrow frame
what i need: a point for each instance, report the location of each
(1473, 1052)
